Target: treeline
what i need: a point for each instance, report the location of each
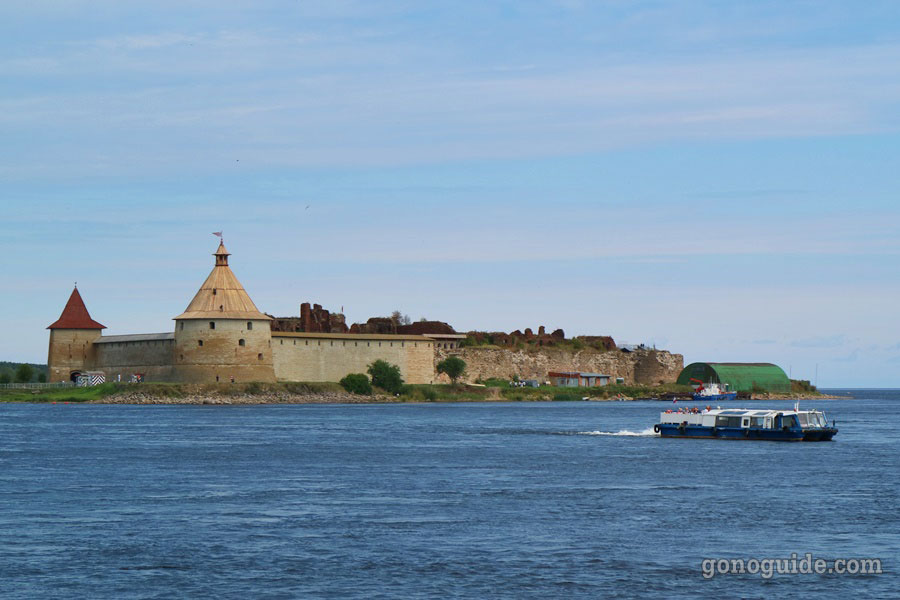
(13, 372)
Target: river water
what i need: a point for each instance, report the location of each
(518, 500)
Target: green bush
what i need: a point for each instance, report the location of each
(386, 376)
(452, 366)
(429, 393)
(357, 383)
(565, 397)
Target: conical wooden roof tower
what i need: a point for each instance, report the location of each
(222, 296)
(75, 315)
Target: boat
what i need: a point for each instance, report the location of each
(746, 424)
(711, 392)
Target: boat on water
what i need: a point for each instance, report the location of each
(711, 392)
(746, 424)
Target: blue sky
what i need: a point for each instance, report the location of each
(718, 178)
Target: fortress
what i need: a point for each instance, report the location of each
(221, 336)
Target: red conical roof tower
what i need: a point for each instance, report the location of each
(75, 315)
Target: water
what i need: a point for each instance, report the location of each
(434, 500)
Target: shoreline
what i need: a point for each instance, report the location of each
(332, 393)
(338, 398)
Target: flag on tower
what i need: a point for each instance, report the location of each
(217, 233)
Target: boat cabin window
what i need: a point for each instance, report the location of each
(745, 422)
(788, 421)
(728, 421)
(757, 421)
(803, 419)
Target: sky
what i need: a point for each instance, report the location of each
(719, 179)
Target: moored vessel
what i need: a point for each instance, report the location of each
(711, 392)
(746, 424)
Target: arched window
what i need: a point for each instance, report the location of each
(259, 356)
(241, 342)
(199, 342)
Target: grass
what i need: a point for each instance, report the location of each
(498, 389)
(495, 389)
(442, 393)
(85, 394)
(165, 390)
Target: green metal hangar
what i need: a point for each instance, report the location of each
(740, 377)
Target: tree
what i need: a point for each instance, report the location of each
(5, 377)
(24, 373)
(357, 383)
(42, 378)
(386, 376)
(453, 367)
(400, 319)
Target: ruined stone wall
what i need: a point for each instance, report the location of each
(302, 357)
(648, 367)
(312, 319)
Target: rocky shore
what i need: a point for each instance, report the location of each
(243, 398)
(771, 396)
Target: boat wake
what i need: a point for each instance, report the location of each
(623, 433)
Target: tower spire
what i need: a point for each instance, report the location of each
(222, 296)
(221, 255)
(75, 315)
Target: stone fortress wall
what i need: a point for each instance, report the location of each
(646, 367)
(329, 357)
(222, 335)
(120, 357)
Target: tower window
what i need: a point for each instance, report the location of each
(212, 324)
(199, 342)
(249, 326)
(259, 356)
(181, 325)
(242, 343)
(214, 291)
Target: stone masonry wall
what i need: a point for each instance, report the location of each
(306, 358)
(120, 360)
(647, 367)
